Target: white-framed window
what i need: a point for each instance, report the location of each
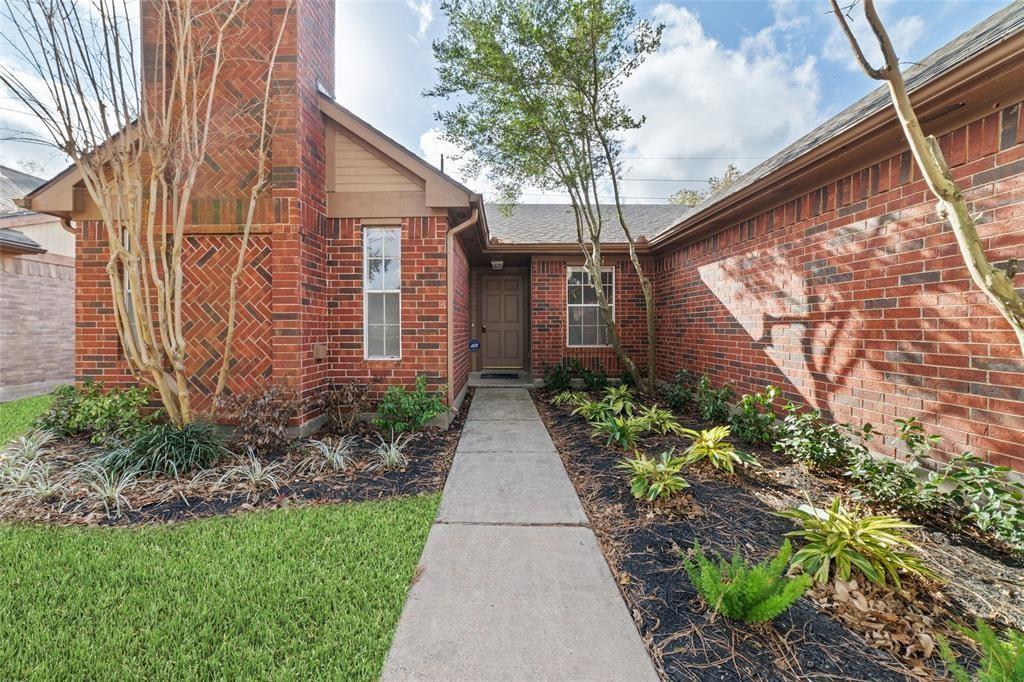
(584, 322)
(382, 293)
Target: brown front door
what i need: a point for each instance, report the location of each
(502, 323)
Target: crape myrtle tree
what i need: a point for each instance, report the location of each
(534, 89)
(139, 138)
(996, 282)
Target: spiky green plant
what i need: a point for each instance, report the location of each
(619, 400)
(1002, 660)
(837, 537)
(711, 445)
(167, 449)
(570, 398)
(336, 454)
(594, 411)
(255, 475)
(390, 453)
(659, 420)
(740, 591)
(651, 479)
(622, 432)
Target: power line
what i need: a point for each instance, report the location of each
(699, 158)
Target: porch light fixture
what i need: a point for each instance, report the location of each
(497, 264)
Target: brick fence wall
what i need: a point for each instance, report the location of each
(36, 324)
(854, 298)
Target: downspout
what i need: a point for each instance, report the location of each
(449, 242)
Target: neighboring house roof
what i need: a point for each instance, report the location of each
(16, 242)
(556, 223)
(998, 27)
(13, 185)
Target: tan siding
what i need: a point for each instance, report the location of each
(356, 169)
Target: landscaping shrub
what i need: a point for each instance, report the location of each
(402, 410)
(558, 377)
(390, 453)
(570, 398)
(680, 391)
(261, 417)
(711, 445)
(913, 435)
(886, 482)
(659, 420)
(840, 539)
(106, 416)
(253, 475)
(623, 432)
(594, 411)
(344, 402)
(713, 402)
(619, 400)
(336, 454)
(984, 497)
(807, 438)
(167, 449)
(1002, 660)
(753, 421)
(740, 591)
(653, 479)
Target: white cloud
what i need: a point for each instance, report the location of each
(904, 32)
(702, 99)
(424, 12)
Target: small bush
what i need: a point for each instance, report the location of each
(659, 420)
(261, 417)
(1002, 660)
(680, 392)
(344, 402)
(570, 398)
(713, 402)
(711, 445)
(402, 410)
(106, 416)
(594, 411)
(917, 440)
(753, 594)
(619, 400)
(593, 379)
(807, 438)
(558, 377)
(837, 538)
(886, 482)
(753, 421)
(167, 449)
(653, 479)
(623, 432)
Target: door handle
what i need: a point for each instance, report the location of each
(483, 329)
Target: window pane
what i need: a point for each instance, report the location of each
(590, 336)
(392, 340)
(374, 274)
(392, 275)
(392, 314)
(375, 341)
(589, 295)
(575, 335)
(591, 316)
(575, 315)
(575, 295)
(392, 242)
(375, 309)
(374, 243)
(606, 277)
(575, 277)
(609, 293)
(602, 335)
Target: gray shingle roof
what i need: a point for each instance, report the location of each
(17, 241)
(556, 223)
(997, 28)
(13, 185)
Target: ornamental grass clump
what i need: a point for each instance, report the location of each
(167, 449)
(837, 538)
(741, 591)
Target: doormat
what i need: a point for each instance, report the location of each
(499, 375)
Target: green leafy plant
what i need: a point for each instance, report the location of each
(886, 482)
(261, 417)
(105, 416)
(809, 439)
(659, 420)
(652, 479)
(400, 410)
(623, 432)
(619, 400)
(251, 473)
(570, 398)
(913, 435)
(984, 497)
(593, 379)
(390, 453)
(841, 539)
(1002, 660)
(713, 402)
(558, 377)
(753, 421)
(680, 392)
(167, 449)
(741, 591)
(108, 486)
(594, 411)
(334, 454)
(711, 445)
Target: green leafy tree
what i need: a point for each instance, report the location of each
(716, 185)
(535, 85)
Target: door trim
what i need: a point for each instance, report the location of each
(524, 323)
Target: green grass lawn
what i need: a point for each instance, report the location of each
(301, 593)
(17, 415)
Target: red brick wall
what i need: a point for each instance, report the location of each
(548, 340)
(424, 304)
(460, 283)
(854, 298)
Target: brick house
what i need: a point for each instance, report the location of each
(824, 270)
(37, 294)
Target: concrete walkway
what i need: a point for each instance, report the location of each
(512, 583)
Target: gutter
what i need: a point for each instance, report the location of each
(449, 242)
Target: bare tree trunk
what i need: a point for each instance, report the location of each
(997, 284)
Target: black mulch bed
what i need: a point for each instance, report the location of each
(642, 543)
(162, 499)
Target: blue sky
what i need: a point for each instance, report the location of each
(735, 80)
